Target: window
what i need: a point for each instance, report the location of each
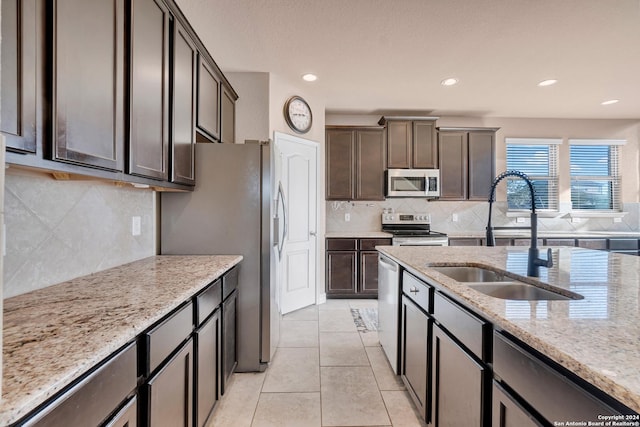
(538, 158)
(595, 181)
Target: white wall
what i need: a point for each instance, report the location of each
(59, 230)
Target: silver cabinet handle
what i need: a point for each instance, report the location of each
(414, 290)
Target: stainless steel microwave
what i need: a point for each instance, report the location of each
(413, 183)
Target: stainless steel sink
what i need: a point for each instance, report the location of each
(471, 274)
(517, 291)
(497, 285)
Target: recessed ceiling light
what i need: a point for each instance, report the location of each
(449, 82)
(309, 77)
(609, 102)
(548, 82)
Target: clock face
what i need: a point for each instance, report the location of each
(298, 114)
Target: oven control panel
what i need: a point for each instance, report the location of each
(406, 218)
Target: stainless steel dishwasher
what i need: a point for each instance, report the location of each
(389, 308)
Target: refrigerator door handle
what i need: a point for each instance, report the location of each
(280, 198)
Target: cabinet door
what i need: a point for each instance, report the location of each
(452, 148)
(506, 412)
(88, 102)
(184, 107)
(149, 91)
(458, 384)
(229, 346)
(127, 416)
(228, 112)
(341, 272)
(415, 368)
(369, 165)
(20, 50)
(208, 100)
(170, 391)
(399, 138)
(481, 164)
(368, 273)
(425, 145)
(207, 368)
(340, 161)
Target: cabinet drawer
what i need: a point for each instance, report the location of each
(164, 338)
(342, 244)
(91, 400)
(623, 244)
(370, 244)
(229, 282)
(548, 391)
(465, 326)
(418, 291)
(593, 243)
(207, 301)
(560, 242)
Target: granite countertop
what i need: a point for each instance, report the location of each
(595, 337)
(358, 235)
(515, 234)
(54, 335)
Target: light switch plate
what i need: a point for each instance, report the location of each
(347, 217)
(136, 228)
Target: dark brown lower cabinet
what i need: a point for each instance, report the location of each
(127, 416)
(415, 368)
(207, 340)
(458, 384)
(507, 412)
(229, 344)
(170, 391)
(369, 272)
(342, 272)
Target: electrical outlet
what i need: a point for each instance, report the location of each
(575, 220)
(454, 217)
(520, 219)
(136, 228)
(347, 217)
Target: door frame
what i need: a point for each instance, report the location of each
(319, 279)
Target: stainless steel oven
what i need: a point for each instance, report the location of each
(412, 229)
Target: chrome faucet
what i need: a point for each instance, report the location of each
(534, 261)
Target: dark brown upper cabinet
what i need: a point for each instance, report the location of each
(411, 142)
(208, 100)
(88, 73)
(467, 162)
(355, 163)
(228, 116)
(149, 89)
(21, 21)
(185, 57)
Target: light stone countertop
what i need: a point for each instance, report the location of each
(595, 337)
(546, 234)
(358, 235)
(54, 335)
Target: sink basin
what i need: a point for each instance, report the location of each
(517, 291)
(471, 274)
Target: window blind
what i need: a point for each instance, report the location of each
(540, 162)
(595, 180)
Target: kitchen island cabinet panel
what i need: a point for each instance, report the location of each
(149, 89)
(88, 107)
(207, 372)
(21, 50)
(164, 338)
(127, 416)
(507, 412)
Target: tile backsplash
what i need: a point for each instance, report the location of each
(471, 217)
(59, 230)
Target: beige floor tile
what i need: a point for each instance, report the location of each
(302, 333)
(342, 349)
(363, 303)
(293, 370)
(350, 397)
(337, 321)
(401, 409)
(307, 313)
(370, 339)
(335, 304)
(237, 406)
(385, 377)
(288, 410)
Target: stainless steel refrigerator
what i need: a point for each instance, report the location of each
(230, 212)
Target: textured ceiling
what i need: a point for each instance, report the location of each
(386, 56)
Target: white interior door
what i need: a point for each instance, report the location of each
(295, 172)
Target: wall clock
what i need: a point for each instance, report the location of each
(297, 114)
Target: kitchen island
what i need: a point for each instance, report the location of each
(595, 337)
(53, 336)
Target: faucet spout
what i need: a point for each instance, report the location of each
(534, 261)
